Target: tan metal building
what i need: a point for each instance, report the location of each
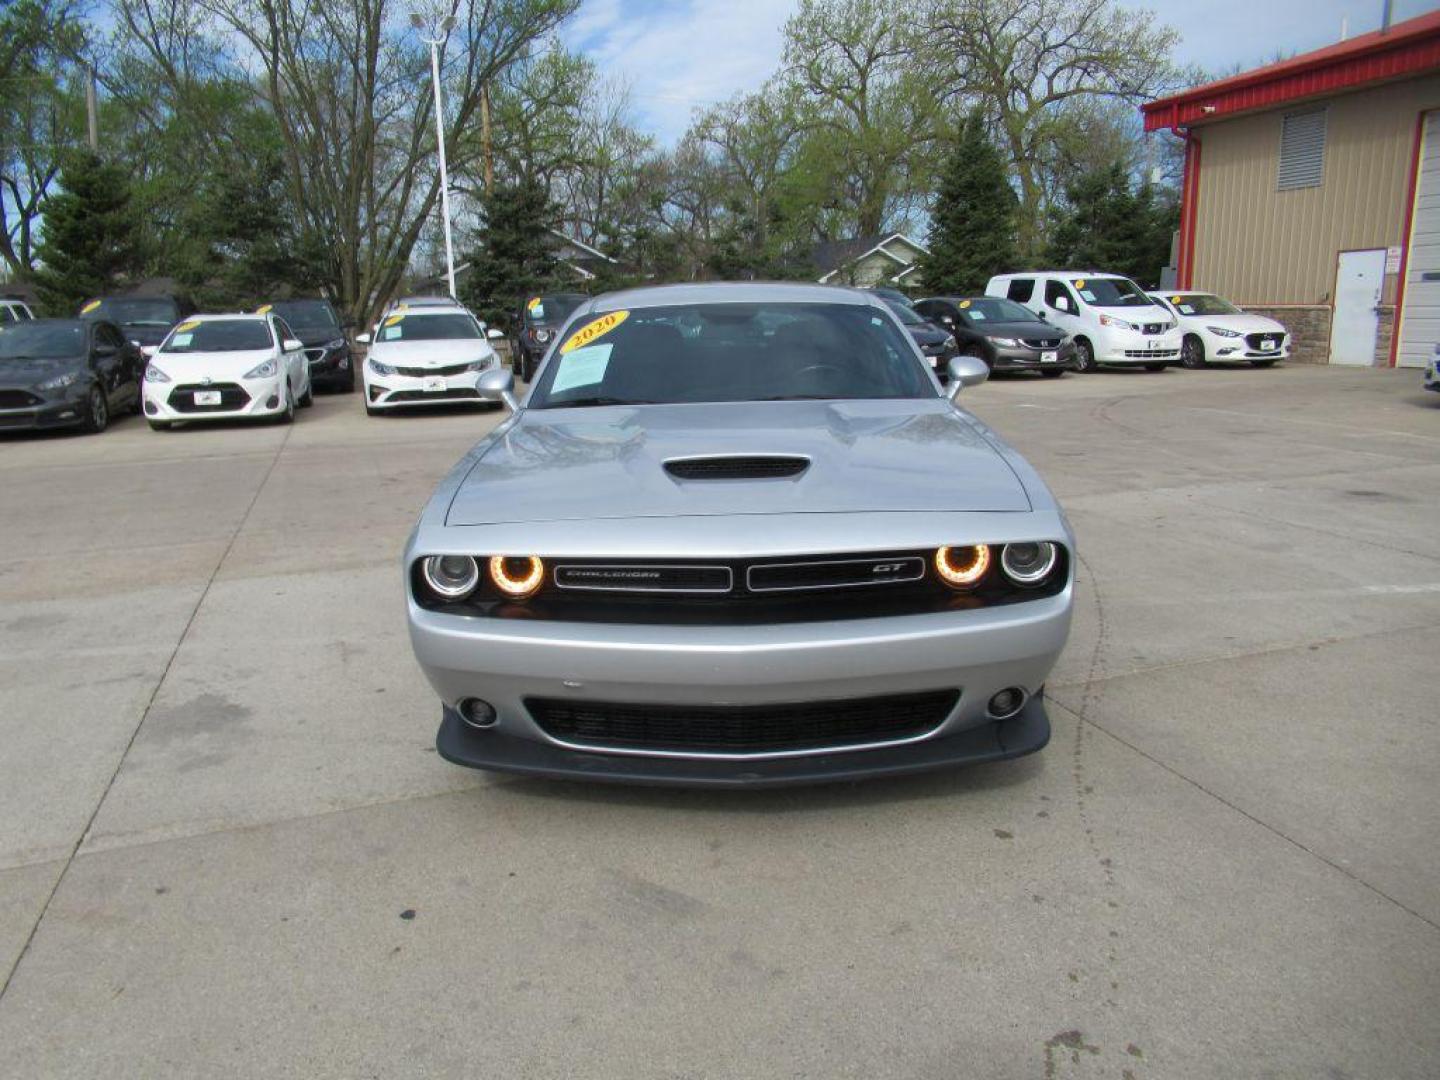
(1312, 193)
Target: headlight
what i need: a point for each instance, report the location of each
(517, 576)
(262, 371)
(1222, 331)
(961, 567)
(155, 375)
(451, 576)
(381, 369)
(338, 343)
(1028, 564)
(1111, 320)
(479, 365)
(1006, 342)
(59, 382)
(542, 336)
(949, 342)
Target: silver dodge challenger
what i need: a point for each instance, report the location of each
(738, 534)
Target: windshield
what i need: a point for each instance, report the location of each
(905, 314)
(1111, 292)
(219, 335)
(133, 312)
(409, 326)
(983, 309)
(42, 341)
(732, 352)
(307, 314)
(1203, 304)
(555, 308)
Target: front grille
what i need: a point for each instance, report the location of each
(427, 372)
(1151, 354)
(1041, 343)
(834, 574)
(1253, 341)
(232, 397)
(18, 399)
(631, 577)
(736, 468)
(454, 393)
(743, 729)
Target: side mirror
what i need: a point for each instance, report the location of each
(494, 334)
(966, 371)
(362, 339)
(498, 384)
(290, 344)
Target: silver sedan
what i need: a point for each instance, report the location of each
(734, 535)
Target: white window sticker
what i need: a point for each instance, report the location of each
(179, 341)
(977, 315)
(392, 333)
(584, 366)
(1186, 309)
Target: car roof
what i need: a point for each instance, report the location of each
(228, 316)
(427, 301)
(733, 292)
(1099, 274)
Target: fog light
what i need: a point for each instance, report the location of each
(150, 408)
(517, 576)
(961, 567)
(1007, 703)
(477, 713)
(1028, 564)
(273, 401)
(451, 576)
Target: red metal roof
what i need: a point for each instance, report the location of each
(1407, 48)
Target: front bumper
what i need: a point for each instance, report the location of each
(504, 662)
(1024, 358)
(174, 402)
(405, 391)
(330, 365)
(1238, 349)
(1127, 348)
(44, 414)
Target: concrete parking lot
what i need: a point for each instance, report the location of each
(227, 846)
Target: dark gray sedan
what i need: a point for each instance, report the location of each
(1007, 336)
(67, 373)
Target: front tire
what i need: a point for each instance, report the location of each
(1192, 352)
(97, 412)
(287, 415)
(1085, 357)
(309, 398)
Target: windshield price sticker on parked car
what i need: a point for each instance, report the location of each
(583, 367)
(190, 325)
(91, 306)
(594, 329)
(264, 309)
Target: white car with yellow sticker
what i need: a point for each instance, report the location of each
(426, 355)
(1216, 329)
(226, 367)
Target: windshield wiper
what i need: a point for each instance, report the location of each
(799, 397)
(588, 402)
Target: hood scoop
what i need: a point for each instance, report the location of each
(738, 467)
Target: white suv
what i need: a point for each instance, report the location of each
(426, 352)
(13, 311)
(1109, 316)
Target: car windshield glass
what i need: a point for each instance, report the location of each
(219, 335)
(732, 352)
(135, 312)
(1203, 304)
(990, 309)
(409, 326)
(1111, 292)
(307, 314)
(555, 308)
(906, 315)
(42, 341)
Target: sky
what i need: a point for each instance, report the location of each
(677, 55)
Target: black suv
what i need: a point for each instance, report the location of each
(539, 321)
(144, 320)
(322, 332)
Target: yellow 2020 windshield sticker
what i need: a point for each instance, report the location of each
(91, 306)
(594, 329)
(187, 326)
(395, 319)
(534, 303)
(264, 309)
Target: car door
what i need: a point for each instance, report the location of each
(131, 369)
(1061, 307)
(106, 360)
(294, 361)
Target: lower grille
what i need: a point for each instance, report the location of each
(455, 393)
(1255, 341)
(18, 399)
(1151, 354)
(427, 372)
(232, 397)
(743, 729)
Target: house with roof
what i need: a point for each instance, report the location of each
(1311, 193)
(577, 261)
(869, 260)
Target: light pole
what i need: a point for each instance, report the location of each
(446, 26)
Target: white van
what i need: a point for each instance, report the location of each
(1109, 316)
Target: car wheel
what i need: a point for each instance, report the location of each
(1192, 352)
(1262, 363)
(160, 425)
(287, 415)
(1085, 356)
(1156, 367)
(1053, 374)
(309, 398)
(97, 411)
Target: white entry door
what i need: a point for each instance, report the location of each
(1358, 282)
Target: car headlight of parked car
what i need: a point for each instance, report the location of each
(1029, 564)
(338, 343)
(517, 576)
(949, 342)
(451, 576)
(59, 382)
(542, 336)
(1111, 320)
(481, 364)
(379, 368)
(262, 371)
(1222, 332)
(1006, 342)
(155, 375)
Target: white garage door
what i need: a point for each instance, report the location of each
(1420, 325)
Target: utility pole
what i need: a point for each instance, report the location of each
(445, 27)
(91, 110)
(485, 139)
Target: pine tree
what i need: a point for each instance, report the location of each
(91, 239)
(972, 235)
(1110, 225)
(513, 255)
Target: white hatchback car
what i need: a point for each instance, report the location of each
(1216, 329)
(430, 354)
(1109, 316)
(226, 367)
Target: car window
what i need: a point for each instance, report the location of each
(991, 309)
(1111, 292)
(552, 308)
(1055, 292)
(411, 326)
(1021, 290)
(306, 314)
(110, 336)
(43, 340)
(133, 311)
(732, 352)
(219, 335)
(7, 314)
(1202, 304)
(283, 331)
(905, 313)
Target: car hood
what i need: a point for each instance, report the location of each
(431, 353)
(608, 462)
(1020, 329)
(146, 334)
(1243, 323)
(317, 335)
(26, 373)
(216, 366)
(927, 335)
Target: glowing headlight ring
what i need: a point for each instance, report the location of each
(517, 588)
(962, 567)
